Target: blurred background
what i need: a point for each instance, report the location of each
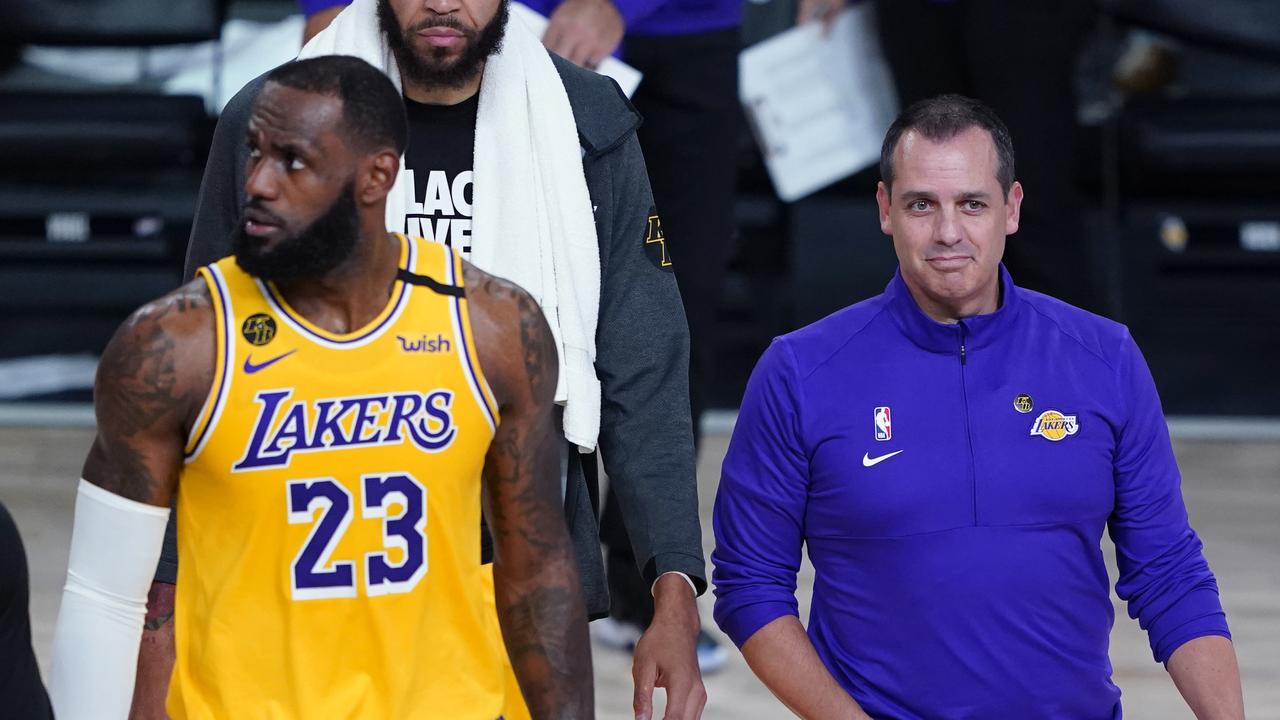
(1148, 140)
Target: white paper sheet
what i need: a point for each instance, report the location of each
(627, 77)
(819, 105)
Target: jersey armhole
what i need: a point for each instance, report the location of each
(224, 348)
(461, 320)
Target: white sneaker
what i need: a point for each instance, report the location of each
(711, 655)
(615, 634)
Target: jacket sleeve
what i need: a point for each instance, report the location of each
(217, 210)
(642, 360)
(760, 505)
(633, 10)
(311, 7)
(222, 188)
(1163, 573)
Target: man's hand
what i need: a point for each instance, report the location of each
(667, 654)
(824, 10)
(584, 32)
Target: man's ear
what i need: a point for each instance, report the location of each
(1013, 209)
(882, 202)
(379, 176)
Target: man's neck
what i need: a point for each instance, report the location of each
(351, 295)
(441, 94)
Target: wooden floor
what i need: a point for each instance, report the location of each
(1232, 490)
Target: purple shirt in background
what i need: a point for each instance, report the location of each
(951, 484)
(311, 7)
(666, 17)
(642, 17)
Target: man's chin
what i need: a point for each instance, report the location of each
(440, 58)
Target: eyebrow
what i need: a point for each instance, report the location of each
(296, 147)
(911, 196)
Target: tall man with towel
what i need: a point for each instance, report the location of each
(530, 167)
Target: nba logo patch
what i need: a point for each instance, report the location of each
(884, 428)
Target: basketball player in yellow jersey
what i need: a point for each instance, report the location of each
(326, 403)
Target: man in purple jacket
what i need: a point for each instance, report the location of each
(950, 452)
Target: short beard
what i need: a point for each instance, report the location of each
(319, 248)
(433, 70)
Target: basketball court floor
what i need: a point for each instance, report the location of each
(1231, 481)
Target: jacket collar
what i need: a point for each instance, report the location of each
(976, 331)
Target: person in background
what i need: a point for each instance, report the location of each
(318, 14)
(1019, 58)
(949, 454)
(688, 53)
(22, 694)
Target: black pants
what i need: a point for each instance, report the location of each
(689, 100)
(22, 694)
(1019, 58)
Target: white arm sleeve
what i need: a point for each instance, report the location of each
(115, 544)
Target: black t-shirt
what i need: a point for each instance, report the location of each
(440, 157)
(442, 145)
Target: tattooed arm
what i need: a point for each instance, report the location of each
(152, 380)
(539, 595)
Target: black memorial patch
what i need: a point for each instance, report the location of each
(258, 329)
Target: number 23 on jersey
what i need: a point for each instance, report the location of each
(315, 575)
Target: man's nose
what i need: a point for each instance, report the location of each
(441, 7)
(949, 230)
(262, 181)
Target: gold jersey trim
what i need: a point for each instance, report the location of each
(224, 350)
(461, 318)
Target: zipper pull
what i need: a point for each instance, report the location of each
(962, 353)
(961, 324)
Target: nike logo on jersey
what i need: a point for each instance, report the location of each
(868, 461)
(250, 368)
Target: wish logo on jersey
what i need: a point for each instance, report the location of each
(1053, 425)
(284, 428)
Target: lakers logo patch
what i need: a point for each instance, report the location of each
(655, 242)
(259, 329)
(1053, 425)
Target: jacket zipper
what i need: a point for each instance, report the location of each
(964, 395)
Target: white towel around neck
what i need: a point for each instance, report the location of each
(533, 222)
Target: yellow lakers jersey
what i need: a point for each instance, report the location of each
(329, 511)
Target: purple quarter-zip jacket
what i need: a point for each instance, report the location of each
(952, 483)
